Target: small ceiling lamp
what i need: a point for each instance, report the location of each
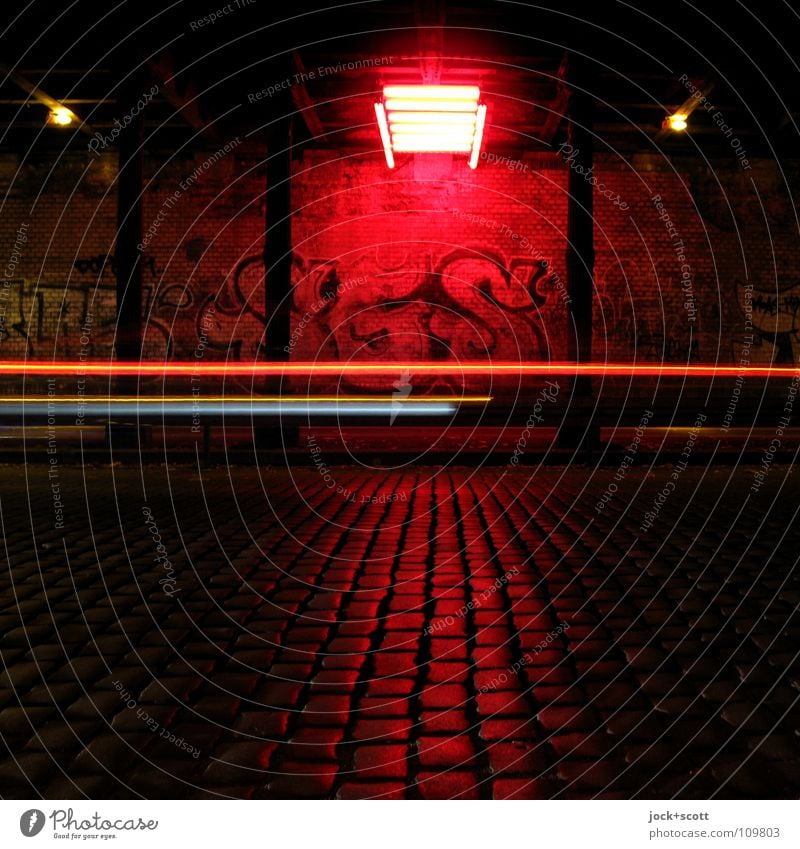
(431, 119)
(677, 122)
(60, 116)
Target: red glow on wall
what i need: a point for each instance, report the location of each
(431, 118)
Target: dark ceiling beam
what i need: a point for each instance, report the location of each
(67, 101)
(78, 72)
(429, 17)
(40, 96)
(303, 102)
(127, 245)
(185, 103)
(100, 125)
(631, 104)
(658, 133)
(277, 248)
(580, 254)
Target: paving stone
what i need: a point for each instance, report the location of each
(561, 720)
(263, 723)
(23, 778)
(747, 716)
(518, 758)
(84, 787)
(136, 718)
(448, 785)
(278, 694)
(17, 720)
(443, 696)
(390, 687)
(313, 743)
(240, 763)
(303, 780)
(444, 721)
(508, 730)
(380, 762)
(381, 706)
(445, 752)
(635, 725)
(58, 736)
(330, 681)
(372, 790)
(327, 710)
(109, 752)
(581, 745)
(502, 704)
(60, 695)
(523, 788)
(447, 672)
(94, 704)
(402, 664)
(22, 676)
(591, 775)
(377, 730)
(160, 782)
(345, 673)
(169, 690)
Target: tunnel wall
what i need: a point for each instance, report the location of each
(427, 261)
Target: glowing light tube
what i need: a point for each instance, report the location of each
(480, 123)
(434, 95)
(380, 113)
(226, 408)
(419, 144)
(450, 119)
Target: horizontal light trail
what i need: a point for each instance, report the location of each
(243, 399)
(473, 367)
(254, 407)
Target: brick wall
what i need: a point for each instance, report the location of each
(428, 261)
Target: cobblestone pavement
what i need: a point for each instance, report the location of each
(422, 633)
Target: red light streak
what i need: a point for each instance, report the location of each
(473, 367)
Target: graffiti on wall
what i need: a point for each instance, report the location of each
(642, 325)
(462, 305)
(44, 319)
(48, 319)
(99, 264)
(465, 304)
(775, 314)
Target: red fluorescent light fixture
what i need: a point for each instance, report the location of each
(431, 119)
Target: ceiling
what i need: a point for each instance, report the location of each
(214, 77)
